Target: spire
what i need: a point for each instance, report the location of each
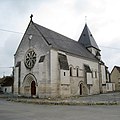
(87, 39)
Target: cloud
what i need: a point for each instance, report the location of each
(63, 16)
(19, 6)
(5, 62)
(111, 57)
(7, 52)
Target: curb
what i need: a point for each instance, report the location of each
(62, 102)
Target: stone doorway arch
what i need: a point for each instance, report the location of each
(29, 85)
(83, 90)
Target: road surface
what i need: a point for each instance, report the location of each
(21, 111)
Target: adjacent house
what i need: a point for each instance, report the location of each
(6, 84)
(48, 64)
(115, 77)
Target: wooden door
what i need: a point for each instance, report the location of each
(80, 89)
(33, 88)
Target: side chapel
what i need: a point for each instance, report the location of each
(48, 64)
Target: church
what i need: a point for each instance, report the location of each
(48, 64)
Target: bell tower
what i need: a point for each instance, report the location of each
(88, 41)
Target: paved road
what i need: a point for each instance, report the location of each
(21, 111)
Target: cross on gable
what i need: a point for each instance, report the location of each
(31, 16)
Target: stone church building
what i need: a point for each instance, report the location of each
(48, 64)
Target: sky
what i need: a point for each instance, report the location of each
(66, 17)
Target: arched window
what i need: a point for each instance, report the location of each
(77, 71)
(70, 71)
(95, 74)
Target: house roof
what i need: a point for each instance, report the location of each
(63, 43)
(87, 38)
(7, 81)
(1, 80)
(117, 67)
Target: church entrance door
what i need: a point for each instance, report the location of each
(81, 90)
(33, 88)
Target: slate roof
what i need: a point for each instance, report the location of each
(87, 38)
(63, 43)
(63, 61)
(7, 81)
(87, 68)
(118, 68)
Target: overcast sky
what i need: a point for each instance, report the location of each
(64, 16)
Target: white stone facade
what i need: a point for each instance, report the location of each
(7, 89)
(46, 78)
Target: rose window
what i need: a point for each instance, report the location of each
(30, 59)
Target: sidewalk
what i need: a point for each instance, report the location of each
(101, 99)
